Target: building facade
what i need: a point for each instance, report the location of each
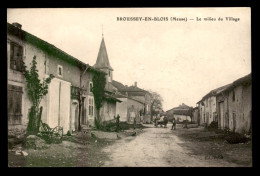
(61, 106)
(234, 106)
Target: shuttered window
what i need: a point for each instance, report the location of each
(15, 104)
(16, 57)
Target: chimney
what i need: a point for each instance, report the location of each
(135, 84)
(18, 25)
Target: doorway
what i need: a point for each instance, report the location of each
(221, 114)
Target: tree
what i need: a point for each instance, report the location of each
(156, 102)
(99, 83)
(81, 91)
(36, 91)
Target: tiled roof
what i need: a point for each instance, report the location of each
(118, 85)
(111, 97)
(102, 59)
(45, 46)
(124, 96)
(241, 81)
(182, 107)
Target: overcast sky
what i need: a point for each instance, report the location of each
(181, 60)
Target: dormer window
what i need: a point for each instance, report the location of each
(60, 71)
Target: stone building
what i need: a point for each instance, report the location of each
(207, 106)
(234, 106)
(61, 104)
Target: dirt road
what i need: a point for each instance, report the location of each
(156, 147)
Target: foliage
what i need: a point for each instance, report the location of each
(97, 124)
(156, 102)
(235, 138)
(36, 91)
(99, 83)
(213, 125)
(68, 133)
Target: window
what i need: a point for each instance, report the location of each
(109, 73)
(90, 106)
(14, 104)
(90, 87)
(60, 71)
(16, 57)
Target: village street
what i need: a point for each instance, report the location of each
(156, 147)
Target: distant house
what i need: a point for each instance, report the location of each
(61, 104)
(141, 96)
(234, 105)
(207, 106)
(182, 112)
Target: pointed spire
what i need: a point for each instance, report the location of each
(102, 59)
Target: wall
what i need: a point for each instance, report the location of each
(121, 109)
(241, 108)
(195, 115)
(108, 111)
(180, 118)
(210, 109)
(16, 78)
(202, 114)
(71, 73)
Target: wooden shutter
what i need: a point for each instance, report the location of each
(14, 104)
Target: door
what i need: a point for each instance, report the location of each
(221, 114)
(59, 104)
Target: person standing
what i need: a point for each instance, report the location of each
(117, 122)
(174, 124)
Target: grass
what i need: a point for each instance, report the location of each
(212, 145)
(79, 151)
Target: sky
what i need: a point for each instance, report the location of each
(181, 60)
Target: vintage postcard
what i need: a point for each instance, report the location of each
(129, 87)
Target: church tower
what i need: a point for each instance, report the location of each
(102, 62)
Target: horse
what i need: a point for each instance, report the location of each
(161, 123)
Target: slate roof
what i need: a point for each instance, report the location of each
(102, 59)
